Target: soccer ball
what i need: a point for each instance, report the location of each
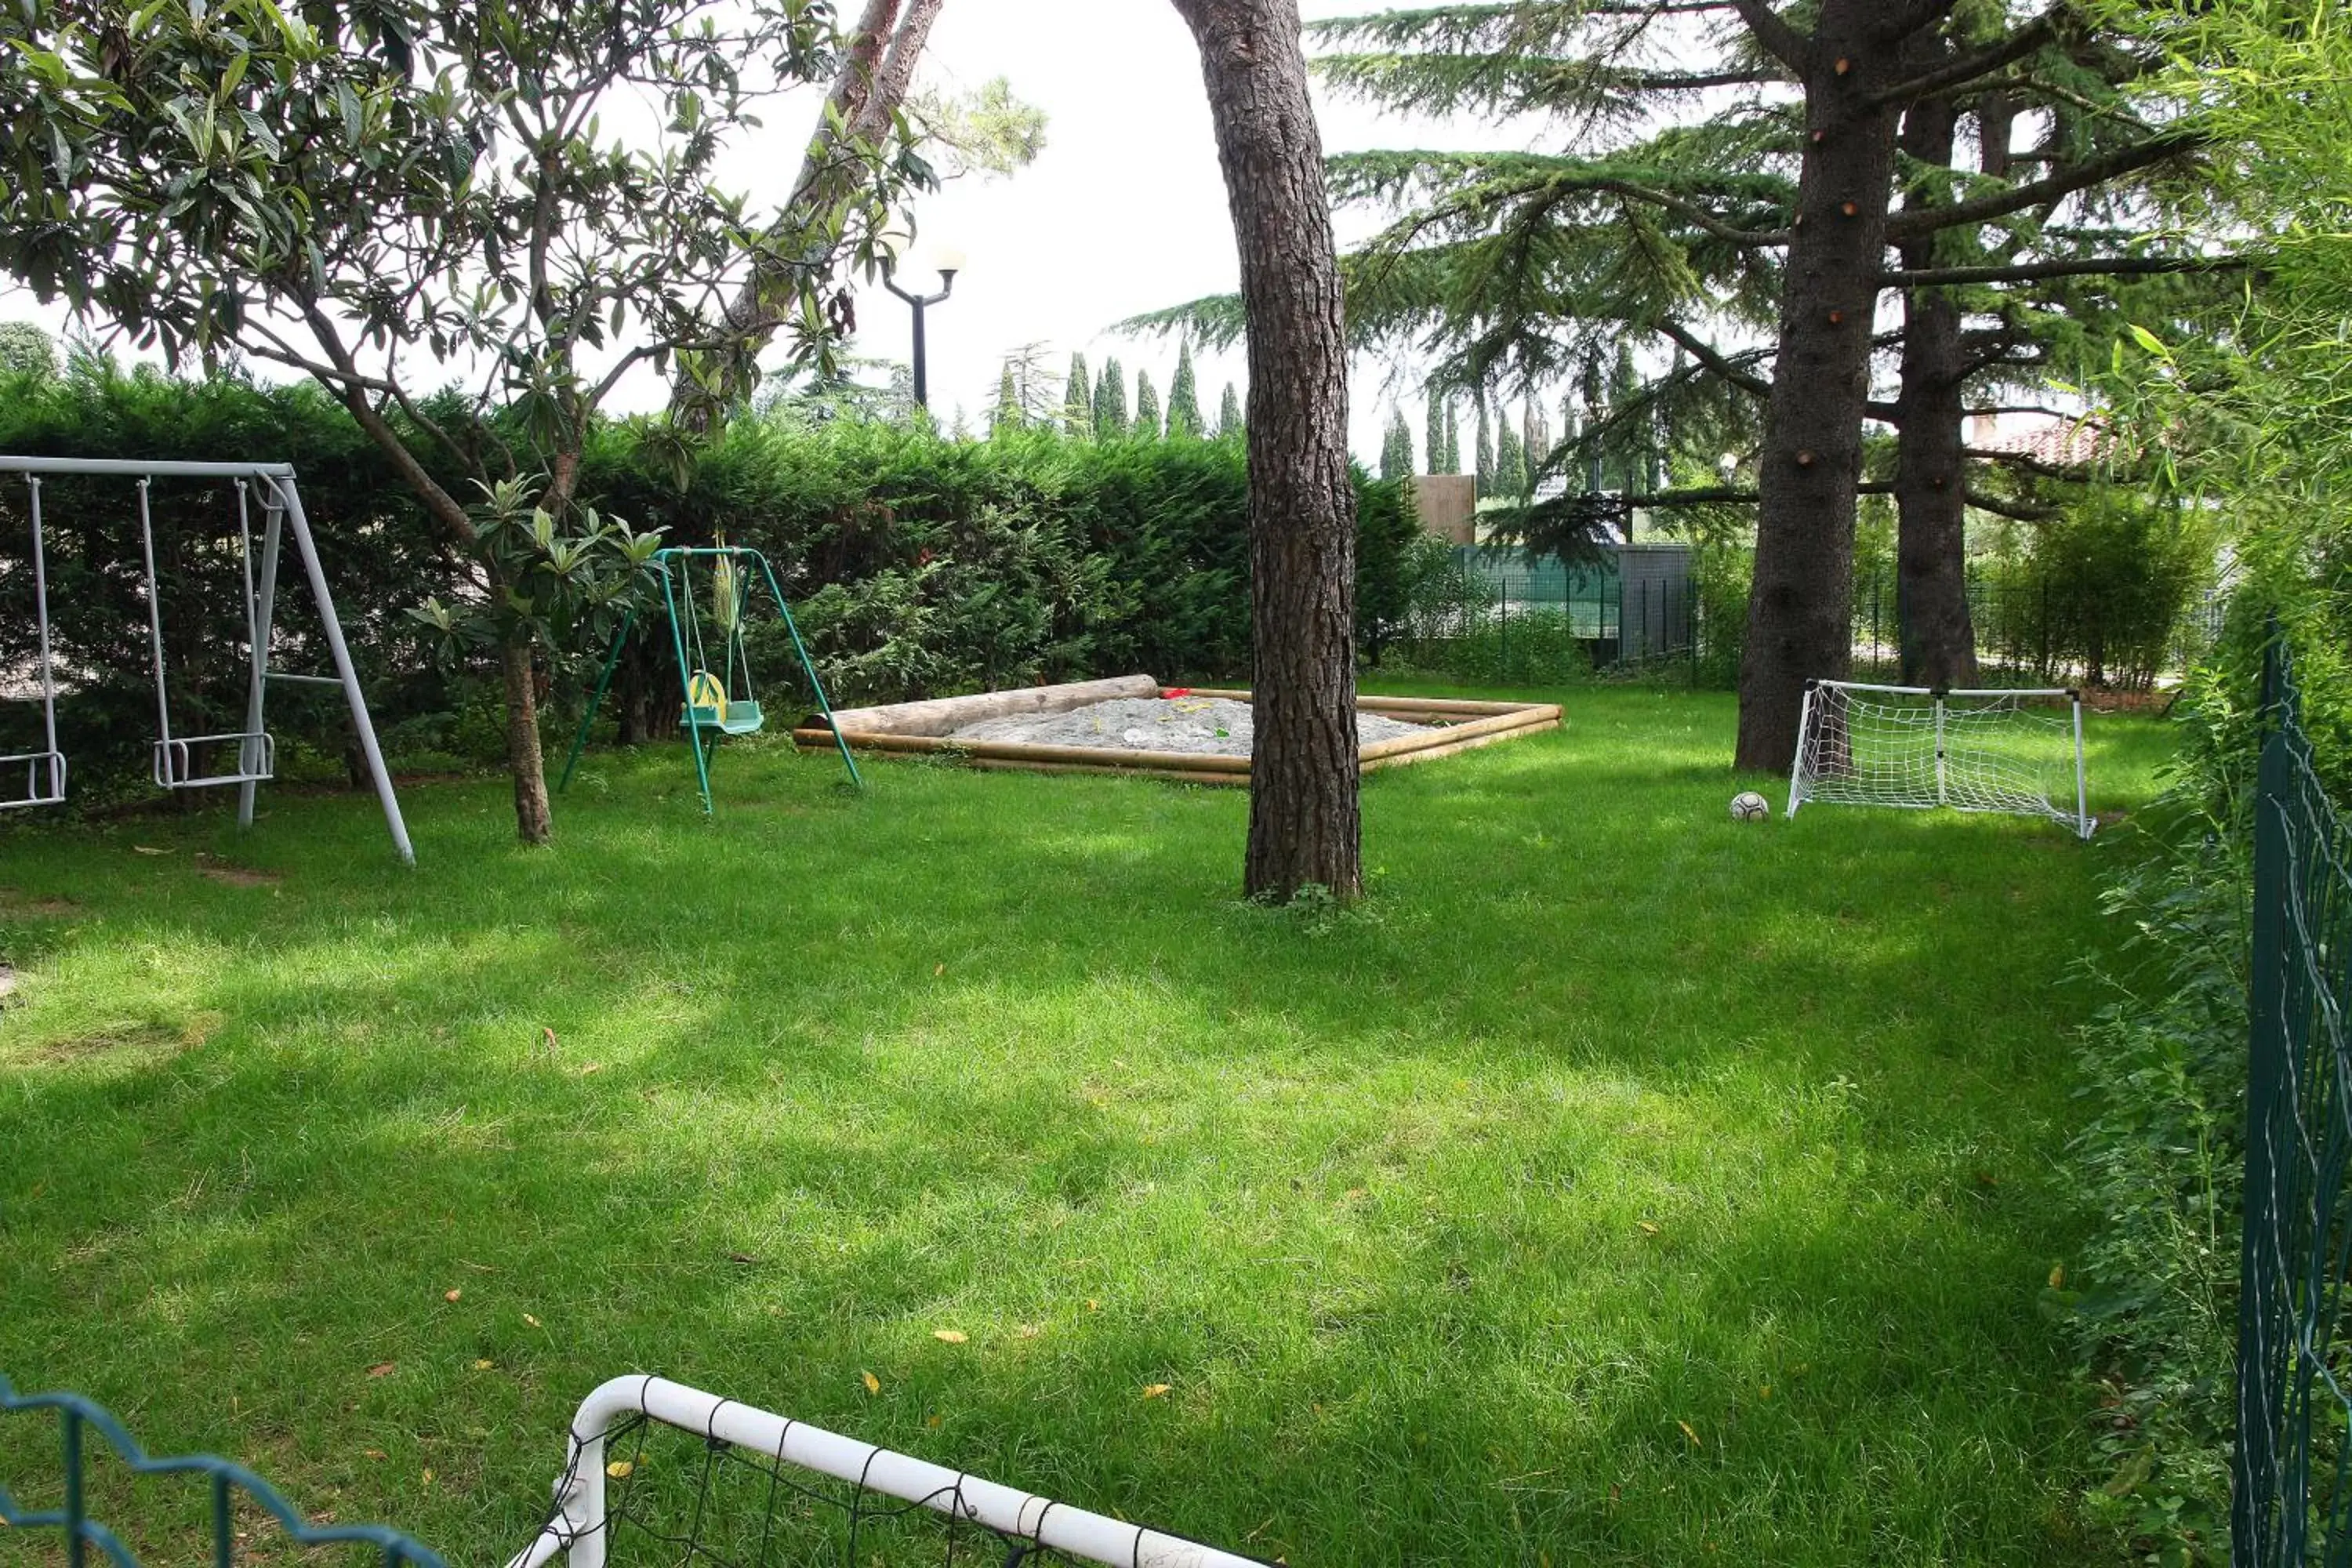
(1749, 807)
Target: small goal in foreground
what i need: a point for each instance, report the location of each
(1915, 746)
(658, 1473)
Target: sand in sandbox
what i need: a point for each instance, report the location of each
(1212, 726)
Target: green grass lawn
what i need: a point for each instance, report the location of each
(1621, 1186)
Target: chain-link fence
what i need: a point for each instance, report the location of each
(2292, 1476)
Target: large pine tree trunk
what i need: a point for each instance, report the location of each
(1304, 825)
(1930, 473)
(525, 760)
(1799, 612)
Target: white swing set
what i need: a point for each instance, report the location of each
(177, 759)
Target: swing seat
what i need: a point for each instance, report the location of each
(45, 779)
(708, 707)
(175, 764)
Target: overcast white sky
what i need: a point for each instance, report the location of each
(1124, 211)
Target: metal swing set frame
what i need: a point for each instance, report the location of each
(711, 708)
(175, 763)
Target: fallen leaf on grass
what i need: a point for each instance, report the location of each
(531, 1321)
(937, 970)
(1027, 1330)
(873, 1384)
(1092, 1305)
(592, 1067)
(547, 1037)
(381, 1369)
(1647, 1229)
(451, 1295)
(741, 1257)
(143, 849)
(2057, 1276)
(429, 1478)
(619, 1469)
(1688, 1433)
(930, 1421)
(1154, 1390)
(950, 1336)
(482, 1364)
(374, 1453)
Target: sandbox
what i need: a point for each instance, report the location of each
(1135, 740)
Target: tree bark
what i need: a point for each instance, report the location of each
(1305, 828)
(1800, 611)
(1931, 588)
(525, 761)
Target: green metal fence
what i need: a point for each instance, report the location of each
(226, 1485)
(2291, 1501)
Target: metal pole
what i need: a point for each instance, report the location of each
(264, 621)
(349, 677)
(164, 768)
(246, 760)
(1797, 768)
(41, 601)
(604, 680)
(685, 679)
(923, 372)
(808, 664)
(1940, 799)
(2081, 789)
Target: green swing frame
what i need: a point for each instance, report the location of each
(707, 722)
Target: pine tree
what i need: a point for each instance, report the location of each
(1453, 464)
(1146, 408)
(1510, 460)
(1078, 401)
(1486, 475)
(1110, 400)
(1184, 398)
(1229, 414)
(1434, 434)
(1396, 447)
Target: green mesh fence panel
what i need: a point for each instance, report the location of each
(230, 1493)
(2291, 1494)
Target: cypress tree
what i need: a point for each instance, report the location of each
(1110, 400)
(1005, 417)
(1229, 414)
(1146, 408)
(1452, 463)
(1078, 401)
(1433, 435)
(1184, 398)
(1510, 460)
(1485, 453)
(1396, 447)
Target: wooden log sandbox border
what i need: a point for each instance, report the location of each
(921, 728)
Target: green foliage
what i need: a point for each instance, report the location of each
(1432, 440)
(1146, 408)
(1005, 415)
(1229, 414)
(1485, 468)
(2105, 587)
(1184, 420)
(27, 350)
(1453, 464)
(1510, 461)
(1078, 401)
(1111, 402)
(1396, 447)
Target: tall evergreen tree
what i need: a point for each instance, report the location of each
(1229, 414)
(1078, 400)
(1005, 415)
(1184, 398)
(1510, 460)
(1743, 180)
(1485, 470)
(1110, 400)
(1396, 447)
(1432, 435)
(1453, 464)
(1146, 408)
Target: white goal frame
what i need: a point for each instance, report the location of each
(1804, 777)
(579, 1528)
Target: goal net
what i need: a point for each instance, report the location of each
(2017, 752)
(658, 1473)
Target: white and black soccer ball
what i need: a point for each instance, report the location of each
(1749, 807)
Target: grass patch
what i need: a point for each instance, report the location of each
(1622, 1185)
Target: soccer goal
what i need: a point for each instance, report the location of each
(1913, 746)
(661, 1473)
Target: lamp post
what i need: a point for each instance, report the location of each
(949, 263)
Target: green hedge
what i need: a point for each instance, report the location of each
(919, 566)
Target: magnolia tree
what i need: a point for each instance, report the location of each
(387, 194)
